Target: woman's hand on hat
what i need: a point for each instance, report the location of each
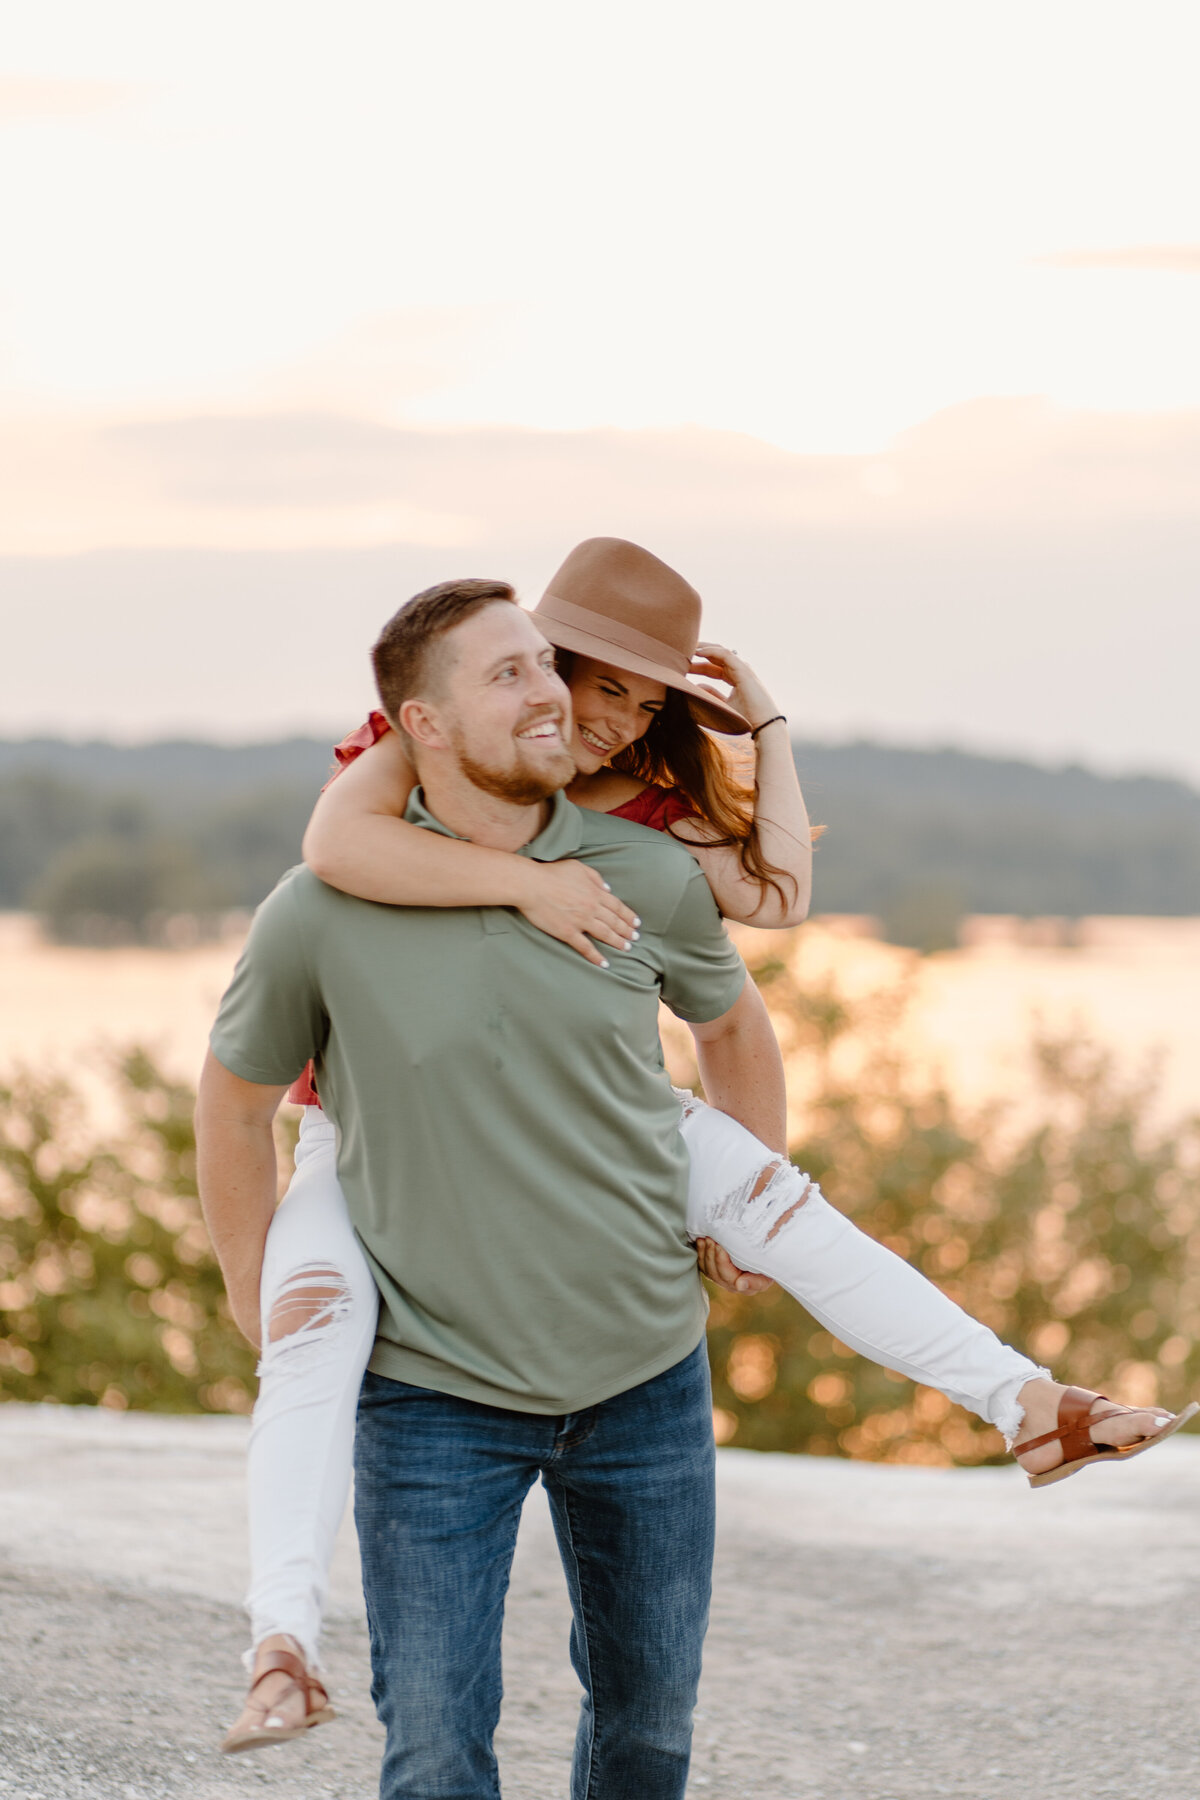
(573, 903)
(746, 692)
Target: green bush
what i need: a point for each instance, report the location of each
(1071, 1226)
(926, 917)
(1074, 1232)
(109, 1291)
(108, 889)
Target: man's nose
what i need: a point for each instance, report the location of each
(547, 688)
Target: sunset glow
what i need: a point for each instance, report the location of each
(381, 276)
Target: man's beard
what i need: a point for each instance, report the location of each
(518, 785)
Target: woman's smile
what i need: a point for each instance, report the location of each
(594, 742)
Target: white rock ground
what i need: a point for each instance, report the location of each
(877, 1633)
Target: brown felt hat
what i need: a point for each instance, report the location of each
(615, 602)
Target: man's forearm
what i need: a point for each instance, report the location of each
(742, 1070)
(236, 1174)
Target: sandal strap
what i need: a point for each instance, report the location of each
(285, 1662)
(1075, 1420)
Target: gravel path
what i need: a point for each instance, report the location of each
(877, 1634)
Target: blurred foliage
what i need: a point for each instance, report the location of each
(109, 1292)
(1072, 1230)
(925, 916)
(1071, 1227)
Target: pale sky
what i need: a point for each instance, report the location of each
(842, 308)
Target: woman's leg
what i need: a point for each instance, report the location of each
(774, 1221)
(319, 1311)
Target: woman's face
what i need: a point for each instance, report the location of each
(613, 709)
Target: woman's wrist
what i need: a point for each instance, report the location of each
(521, 881)
(777, 718)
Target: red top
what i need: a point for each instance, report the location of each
(660, 808)
(657, 807)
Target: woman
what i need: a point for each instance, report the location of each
(626, 627)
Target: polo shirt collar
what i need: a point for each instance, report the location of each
(562, 836)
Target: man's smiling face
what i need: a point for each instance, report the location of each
(506, 714)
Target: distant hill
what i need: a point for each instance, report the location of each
(1004, 836)
(176, 769)
(912, 836)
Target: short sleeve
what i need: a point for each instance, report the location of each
(702, 972)
(271, 1020)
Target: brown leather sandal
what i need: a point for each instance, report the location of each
(316, 1712)
(1075, 1419)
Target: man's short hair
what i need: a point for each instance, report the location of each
(410, 646)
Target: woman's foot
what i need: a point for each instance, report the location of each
(276, 1702)
(1041, 1399)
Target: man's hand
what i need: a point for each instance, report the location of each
(716, 1263)
(572, 902)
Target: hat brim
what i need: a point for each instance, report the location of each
(705, 709)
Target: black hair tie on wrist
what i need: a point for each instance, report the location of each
(775, 719)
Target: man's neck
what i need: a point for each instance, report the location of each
(481, 818)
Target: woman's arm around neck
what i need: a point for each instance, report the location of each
(359, 841)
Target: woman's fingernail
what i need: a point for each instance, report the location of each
(636, 920)
(607, 889)
(635, 937)
(604, 962)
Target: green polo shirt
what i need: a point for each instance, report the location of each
(508, 1141)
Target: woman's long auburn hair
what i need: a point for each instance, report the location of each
(676, 752)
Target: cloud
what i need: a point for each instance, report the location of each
(1006, 573)
(319, 479)
(1173, 259)
(292, 481)
(1018, 462)
(25, 98)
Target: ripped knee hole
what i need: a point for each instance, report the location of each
(312, 1299)
(772, 1195)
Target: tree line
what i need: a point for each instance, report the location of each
(107, 841)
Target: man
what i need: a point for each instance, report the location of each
(510, 1153)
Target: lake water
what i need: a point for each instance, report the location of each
(1132, 983)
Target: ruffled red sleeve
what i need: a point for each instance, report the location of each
(358, 740)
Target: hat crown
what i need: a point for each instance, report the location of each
(630, 588)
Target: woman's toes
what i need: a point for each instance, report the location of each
(1128, 1428)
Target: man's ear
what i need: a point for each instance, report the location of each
(422, 721)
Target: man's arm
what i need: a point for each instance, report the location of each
(742, 1072)
(741, 1068)
(235, 1167)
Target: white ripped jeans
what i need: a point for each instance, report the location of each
(320, 1305)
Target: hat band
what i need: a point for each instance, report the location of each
(621, 637)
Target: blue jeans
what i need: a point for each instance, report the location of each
(439, 1484)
